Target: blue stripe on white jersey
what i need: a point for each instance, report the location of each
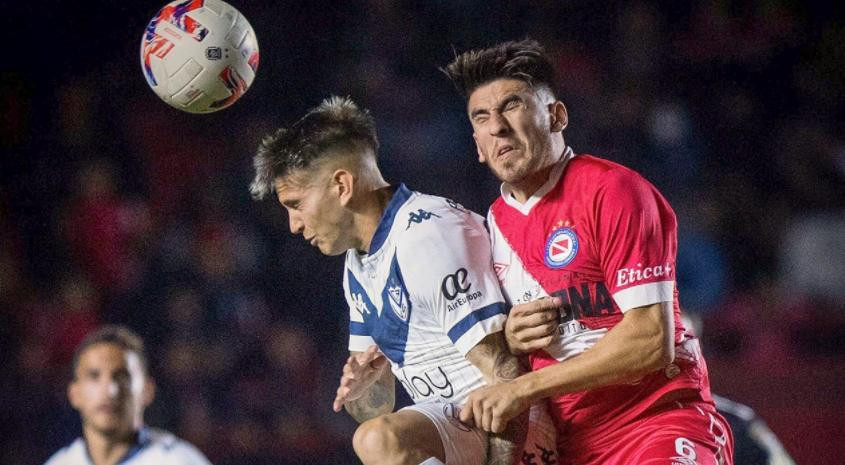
(426, 295)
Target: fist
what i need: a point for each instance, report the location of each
(533, 325)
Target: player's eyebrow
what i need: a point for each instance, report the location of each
(508, 100)
(478, 111)
(504, 103)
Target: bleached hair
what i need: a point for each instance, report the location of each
(336, 125)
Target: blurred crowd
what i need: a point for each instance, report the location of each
(117, 208)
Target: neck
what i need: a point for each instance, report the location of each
(523, 190)
(106, 449)
(526, 187)
(369, 216)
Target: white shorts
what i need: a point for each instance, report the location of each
(468, 446)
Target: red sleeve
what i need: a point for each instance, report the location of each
(637, 240)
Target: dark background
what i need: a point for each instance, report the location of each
(115, 207)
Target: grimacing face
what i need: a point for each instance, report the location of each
(512, 127)
(110, 389)
(315, 211)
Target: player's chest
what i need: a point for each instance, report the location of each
(379, 290)
(552, 252)
(553, 243)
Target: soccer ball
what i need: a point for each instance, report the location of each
(199, 56)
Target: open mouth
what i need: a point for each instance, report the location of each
(504, 150)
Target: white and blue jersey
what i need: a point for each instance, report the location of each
(154, 447)
(426, 294)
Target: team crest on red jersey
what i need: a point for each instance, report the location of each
(561, 248)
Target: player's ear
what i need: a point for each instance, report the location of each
(559, 116)
(343, 182)
(73, 394)
(481, 157)
(149, 392)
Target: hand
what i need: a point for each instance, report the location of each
(492, 407)
(533, 325)
(359, 373)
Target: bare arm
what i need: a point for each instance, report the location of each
(367, 386)
(639, 344)
(379, 399)
(498, 365)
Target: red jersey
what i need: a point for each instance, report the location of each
(604, 240)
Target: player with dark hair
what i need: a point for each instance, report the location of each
(425, 307)
(111, 388)
(585, 250)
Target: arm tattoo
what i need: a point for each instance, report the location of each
(498, 365)
(378, 400)
(506, 366)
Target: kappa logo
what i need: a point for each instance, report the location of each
(420, 216)
(561, 248)
(398, 301)
(360, 305)
(455, 205)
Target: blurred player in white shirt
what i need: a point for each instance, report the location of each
(423, 297)
(110, 389)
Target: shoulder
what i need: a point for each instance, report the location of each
(175, 450)
(602, 173)
(72, 454)
(426, 218)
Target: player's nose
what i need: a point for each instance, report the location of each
(498, 124)
(296, 224)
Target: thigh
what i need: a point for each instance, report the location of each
(692, 434)
(462, 445)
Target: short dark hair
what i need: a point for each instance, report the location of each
(525, 60)
(118, 335)
(336, 123)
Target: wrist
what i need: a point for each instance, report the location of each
(526, 388)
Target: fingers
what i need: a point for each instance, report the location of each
(340, 397)
(535, 306)
(496, 424)
(478, 413)
(369, 356)
(466, 415)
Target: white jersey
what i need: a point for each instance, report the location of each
(154, 447)
(426, 294)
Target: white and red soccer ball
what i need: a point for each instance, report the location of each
(199, 56)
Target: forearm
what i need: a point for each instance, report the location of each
(635, 347)
(379, 399)
(498, 365)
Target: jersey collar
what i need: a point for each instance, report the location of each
(144, 439)
(554, 177)
(401, 196)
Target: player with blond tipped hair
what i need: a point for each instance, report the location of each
(424, 304)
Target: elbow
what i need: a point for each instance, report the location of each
(661, 353)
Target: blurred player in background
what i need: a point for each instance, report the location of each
(589, 246)
(754, 442)
(110, 389)
(425, 307)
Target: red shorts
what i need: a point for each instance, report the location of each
(689, 433)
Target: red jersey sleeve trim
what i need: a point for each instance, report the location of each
(645, 294)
